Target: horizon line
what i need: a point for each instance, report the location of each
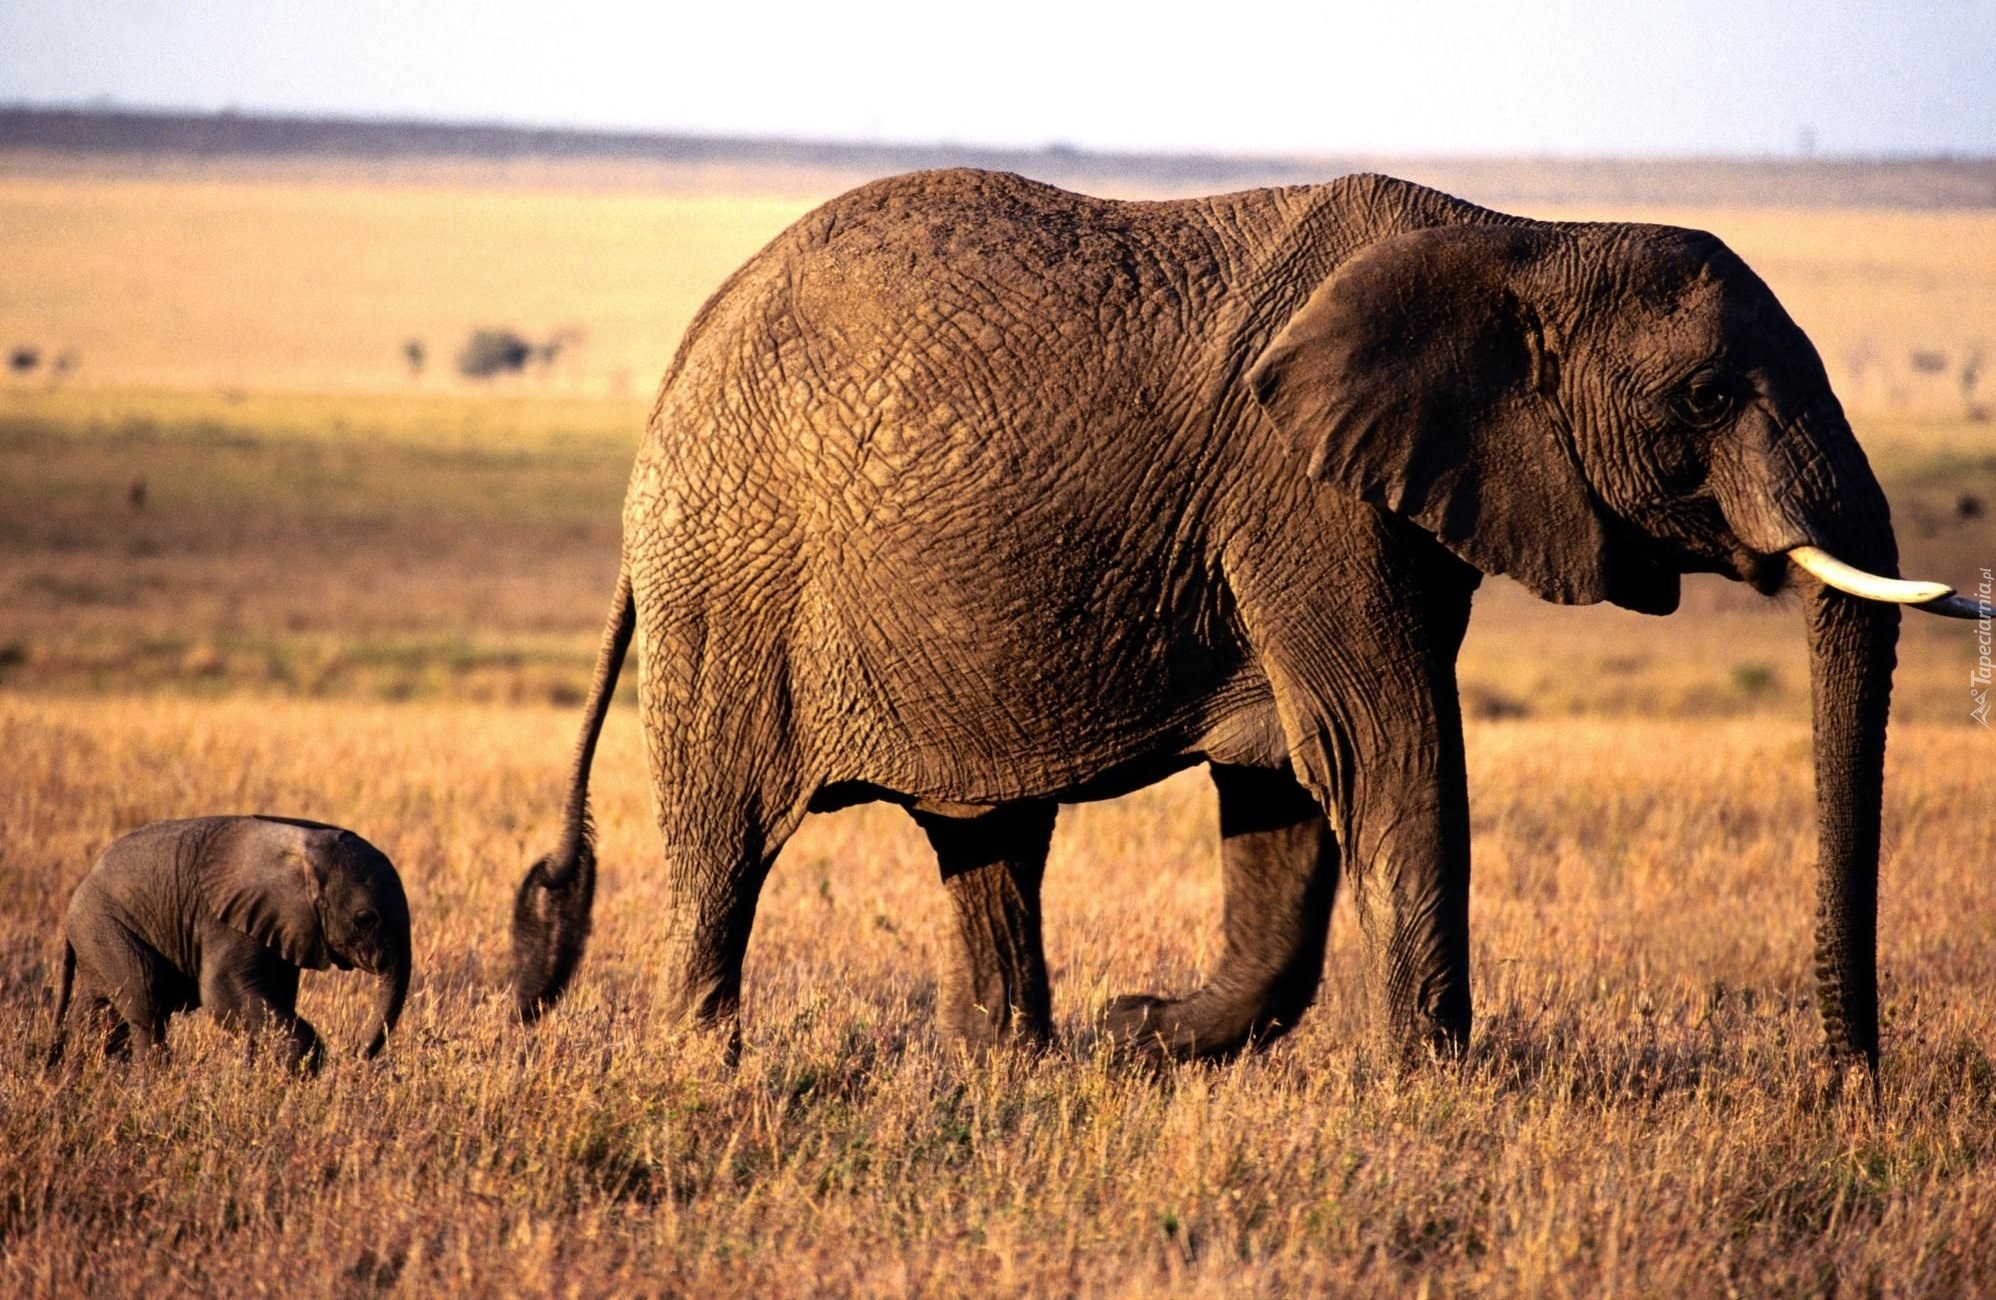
(102, 107)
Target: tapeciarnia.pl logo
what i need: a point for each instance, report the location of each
(1978, 681)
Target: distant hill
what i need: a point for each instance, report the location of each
(1515, 182)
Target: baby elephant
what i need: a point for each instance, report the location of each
(220, 912)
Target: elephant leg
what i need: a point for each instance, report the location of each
(719, 847)
(139, 985)
(728, 784)
(250, 989)
(994, 985)
(1405, 832)
(714, 887)
(1369, 709)
(92, 1010)
(1279, 865)
(1410, 885)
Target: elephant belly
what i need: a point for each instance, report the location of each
(982, 720)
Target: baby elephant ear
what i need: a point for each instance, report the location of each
(1418, 377)
(264, 879)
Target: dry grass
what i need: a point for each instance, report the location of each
(380, 546)
(1640, 1113)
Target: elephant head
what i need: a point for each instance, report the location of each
(1596, 410)
(320, 896)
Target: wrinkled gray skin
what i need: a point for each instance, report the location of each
(221, 912)
(977, 496)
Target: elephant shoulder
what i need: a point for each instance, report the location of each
(1391, 205)
(158, 848)
(142, 881)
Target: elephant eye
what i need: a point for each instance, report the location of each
(1707, 398)
(366, 919)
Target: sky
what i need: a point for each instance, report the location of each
(1563, 77)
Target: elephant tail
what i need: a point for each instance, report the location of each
(551, 911)
(65, 987)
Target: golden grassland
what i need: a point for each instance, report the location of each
(303, 284)
(313, 277)
(1639, 1113)
(389, 546)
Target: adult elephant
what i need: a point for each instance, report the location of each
(978, 496)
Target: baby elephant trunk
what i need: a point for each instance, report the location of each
(392, 974)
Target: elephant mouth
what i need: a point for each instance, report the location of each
(370, 961)
(1766, 574)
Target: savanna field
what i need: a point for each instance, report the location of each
(257, 554)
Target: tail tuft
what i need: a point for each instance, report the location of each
(551, 912)
(551, 925)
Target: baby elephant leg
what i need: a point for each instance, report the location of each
(251, 989)
(122, 972)
(90, 1009)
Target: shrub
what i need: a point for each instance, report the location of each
(490, 352)
(1753, 679)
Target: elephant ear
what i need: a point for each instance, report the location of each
(1418, 378)
(265, 879)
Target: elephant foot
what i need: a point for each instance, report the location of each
(980, 1029)
(1199, 1027)
(1134, 1022)
(1419, 1027)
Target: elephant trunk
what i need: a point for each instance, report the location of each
(1821, 489)
(1852, 648)
(392, 990)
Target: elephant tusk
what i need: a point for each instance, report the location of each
(1958, 607)
(1833, 572)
